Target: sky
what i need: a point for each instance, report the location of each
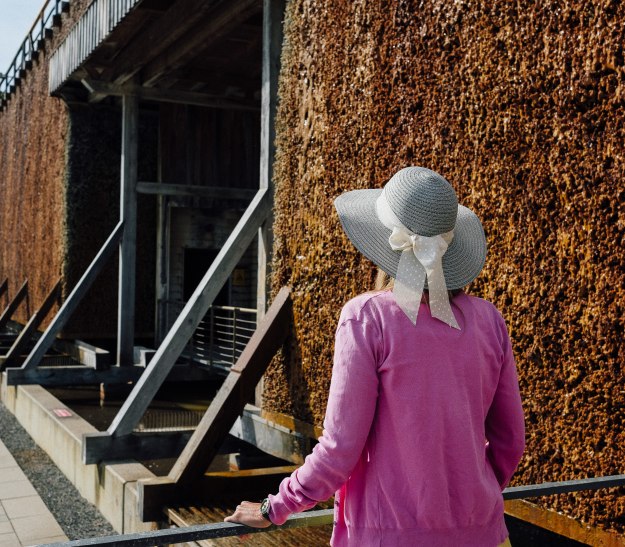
(16, 18)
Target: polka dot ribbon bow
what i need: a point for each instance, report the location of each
(421, 257)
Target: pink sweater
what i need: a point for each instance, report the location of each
(410, 411)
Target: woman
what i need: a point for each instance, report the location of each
(424, 424)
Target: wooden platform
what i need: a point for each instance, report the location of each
(298, 537)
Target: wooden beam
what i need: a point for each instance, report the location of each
(4, 288)
(222, 20)
(91, 356)
(70, 305)
(25, 336)
(13, 305)
(236, 391)
(128, 244)
(136, 446)
(191, 315)
(167, 31)
(99, 89)
(215, 192)
(281, 442)
(72, 375)
(143, 446)
(273, 13)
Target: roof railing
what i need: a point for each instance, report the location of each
(319, 517)
(49, 17)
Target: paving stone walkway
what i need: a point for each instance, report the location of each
(24, 517)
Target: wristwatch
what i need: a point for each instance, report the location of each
(265, 507)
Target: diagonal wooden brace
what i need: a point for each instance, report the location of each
(223, 411)
(13, 305)
(31, 327)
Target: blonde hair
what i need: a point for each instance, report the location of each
(384, 282)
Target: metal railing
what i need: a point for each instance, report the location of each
(49, 17)
(314, 518)
(100, 18)
(221, 336)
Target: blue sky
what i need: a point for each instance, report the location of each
(16, 18)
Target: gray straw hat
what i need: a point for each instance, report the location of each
(427, 205)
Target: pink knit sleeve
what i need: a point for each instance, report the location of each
(349, 414)
(505, 426)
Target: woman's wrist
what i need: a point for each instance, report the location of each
(265, 509)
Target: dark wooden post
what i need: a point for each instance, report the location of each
(128, 246)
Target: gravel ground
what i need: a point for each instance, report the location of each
(77, 517)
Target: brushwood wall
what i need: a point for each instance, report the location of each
(59, 197)
(520, 106)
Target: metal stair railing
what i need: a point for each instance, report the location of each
(320, 517)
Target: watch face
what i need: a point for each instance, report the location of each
(264, 508)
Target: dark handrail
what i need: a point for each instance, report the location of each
(28, 50)
(312, 518)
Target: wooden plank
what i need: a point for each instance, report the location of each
(128, 244)
(69, 306)
(91, 356)
(13, 305)
(162, 258)
(216, 192)
(562, 524)
(4, 288)
(236, 391)
(135, 446)
(168, 30)
(71, 375)
(222, 20)
(31, 327)
(99, 89)
(196, 308)
(272, 438)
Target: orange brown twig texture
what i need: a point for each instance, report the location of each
(520, 106)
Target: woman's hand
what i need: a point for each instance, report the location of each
(248, 513)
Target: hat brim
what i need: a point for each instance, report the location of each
(462, 262)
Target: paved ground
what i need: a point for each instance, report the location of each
(38, 504)
(24, 517)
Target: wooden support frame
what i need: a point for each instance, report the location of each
(156, 372)
(31, 327)
(4, 288)
(128, 244)
(74, 298)
(222, 413)
(13, 305)
(215, 192)
(71, 375)
(98, 90)
(273, 13)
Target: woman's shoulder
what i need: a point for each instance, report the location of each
(365, 305)
(483, 310)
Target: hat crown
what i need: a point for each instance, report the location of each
(422, 200)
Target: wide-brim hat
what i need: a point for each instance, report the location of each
(427, 205)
